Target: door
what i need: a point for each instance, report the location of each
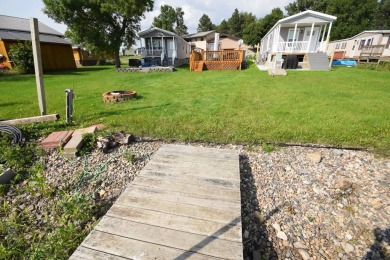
(314, 39)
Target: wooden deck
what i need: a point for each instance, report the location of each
(185, 204)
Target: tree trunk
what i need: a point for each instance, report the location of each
(117, 60)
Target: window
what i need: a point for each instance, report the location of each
(338, 46)
(308, 33)
(290, 36)
(343, 45)
(362, 42)
(201, 39)
(369, 42)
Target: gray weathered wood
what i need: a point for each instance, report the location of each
(188, 178)
(84, 253)
(199, 212)
(207, 245)
(36, 46)
(223, 193)
(30, 120)
(135, 249)
(185, 204)
(182, 197)
(228, 231)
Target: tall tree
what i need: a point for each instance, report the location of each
(181, 28)
(270, 20)
(223, 27)
(205, 24)
(235, 24)
(246, 19)
(382, 16)
(303, 5)
(101, 25)
(252, 33)
(353, 16)
(166, 19)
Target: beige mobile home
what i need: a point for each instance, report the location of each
(363, 45)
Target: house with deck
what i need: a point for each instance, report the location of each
(298, 42)
(56, 51)
(366, 46)
(163, 48)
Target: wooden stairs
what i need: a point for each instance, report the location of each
(198, 65)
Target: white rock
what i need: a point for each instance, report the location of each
(348, 248)
(300, 245)
(281, 235)
(348, 236)
(305, 255)
(314, 157)
(246, 234)
(276, 226)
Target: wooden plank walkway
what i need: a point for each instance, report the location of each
(185, 204)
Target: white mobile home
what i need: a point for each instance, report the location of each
(164, 47)
(303, 36)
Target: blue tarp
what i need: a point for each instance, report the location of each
(344, 62)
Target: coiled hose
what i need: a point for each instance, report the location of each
(12, 130)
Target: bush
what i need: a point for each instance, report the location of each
(22, 56)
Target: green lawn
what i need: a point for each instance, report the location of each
(347, 106)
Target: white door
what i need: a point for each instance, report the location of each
(314, 38)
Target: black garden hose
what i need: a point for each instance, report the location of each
(12, 130)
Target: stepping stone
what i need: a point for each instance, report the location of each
(56, 139)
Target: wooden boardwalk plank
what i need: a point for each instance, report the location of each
(199, 212)
(189, 178)
(207, 245)
(186, 204)
(120, 247)
(228, 231)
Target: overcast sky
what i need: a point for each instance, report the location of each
(217, 10)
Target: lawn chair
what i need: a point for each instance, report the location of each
(278, 61)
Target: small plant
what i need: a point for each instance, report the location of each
(129, 156)
(268, 148)
(89, 143)
(310, 218)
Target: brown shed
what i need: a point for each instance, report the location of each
(56, 51)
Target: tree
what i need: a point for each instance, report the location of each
(171, 19)
(252, 33)
(181, 28)
(303, 5)
(166, 19)
(270, 20)
(353, 16)
(205, 24)
(223, 27)
(382, 16)
(101, 25)
(235, 24)
(22, 56)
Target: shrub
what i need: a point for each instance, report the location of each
(22, 56)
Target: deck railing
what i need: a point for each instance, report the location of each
(299, 46)
(217, 60)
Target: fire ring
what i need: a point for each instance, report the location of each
(118, 95)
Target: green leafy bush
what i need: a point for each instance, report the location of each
(22, 56)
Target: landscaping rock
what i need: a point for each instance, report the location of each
(314, 157)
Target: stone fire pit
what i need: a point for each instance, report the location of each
(118, 95)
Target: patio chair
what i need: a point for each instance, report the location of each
(278, 61)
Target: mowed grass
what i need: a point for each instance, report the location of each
(343, 107)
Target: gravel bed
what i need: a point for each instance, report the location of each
(297, 203)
